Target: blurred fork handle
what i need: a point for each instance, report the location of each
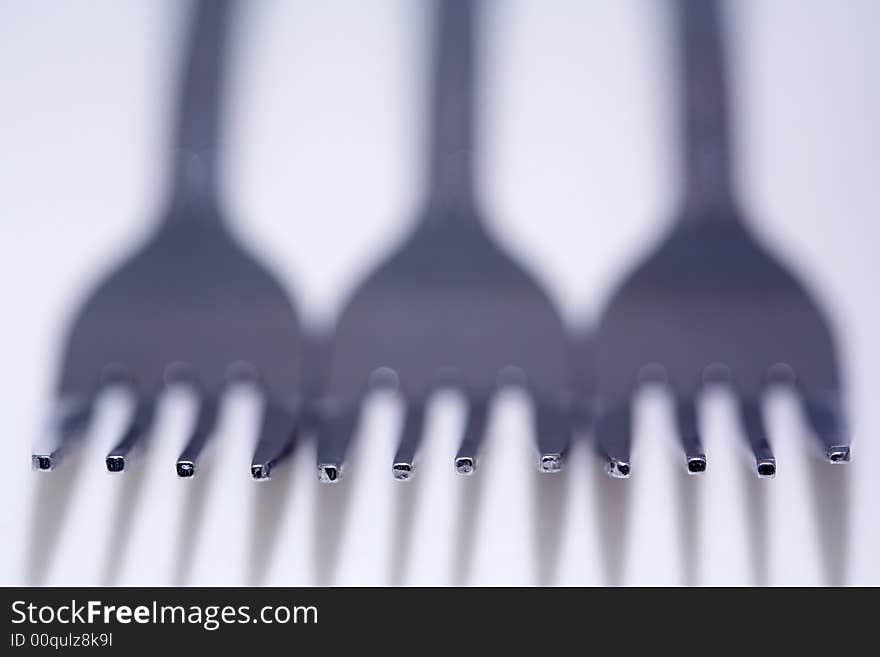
(67, 427)
(825, 416)
(275, 440)
(614, 438)
(198, 121)
(705, 124)
(452, 104)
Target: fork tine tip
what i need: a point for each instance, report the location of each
(329, 473)
(42, 462)
(619, 469)
(766, 468)
(115, 463)
(465, 465)
(260, 471)
(839, 454)
(402, 471)
(696, 464)
(550, 463)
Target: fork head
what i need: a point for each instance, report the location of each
(424, 311)
(710, 302)
(191, 305)
(449, 307)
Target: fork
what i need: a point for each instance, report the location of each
(710, 301)
(448, 306)
(191, 305)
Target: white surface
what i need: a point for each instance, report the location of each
(324, 170)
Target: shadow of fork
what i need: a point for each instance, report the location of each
(331, 513)
(831, 507)
(270, 499)
(831, 496)
(689, 504)
(51, 502)
(613, 504)
(470, 502)
(550, 495)
(406, 502)
(756, 492)
(130, 494)
(191, 521)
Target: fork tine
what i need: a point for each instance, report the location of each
(206, 421)
(752, 418)
(553, 431)
(336, 430)
(275, 441)
(614, 438)
(68, 426)
(138, 427)
(474, 434)
(826, 418)
(410, 438)
(689, 434)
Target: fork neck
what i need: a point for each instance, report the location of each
(452, 110)
(707, 158)
(196, 141)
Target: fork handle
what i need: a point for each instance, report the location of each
(195, 166)
(451, 123)
(705, 129)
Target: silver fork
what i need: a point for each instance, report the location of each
(449, 306)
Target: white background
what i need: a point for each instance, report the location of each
(324, 171)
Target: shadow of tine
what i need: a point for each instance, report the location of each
(612, 498)
(52, 499)
(470, 502)
(831, 505)
(689, 503)
(191, 521)
(270, 499)
(127, 503)
(550, 496)
(406, 502)
(756, 519)
(331, 513)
